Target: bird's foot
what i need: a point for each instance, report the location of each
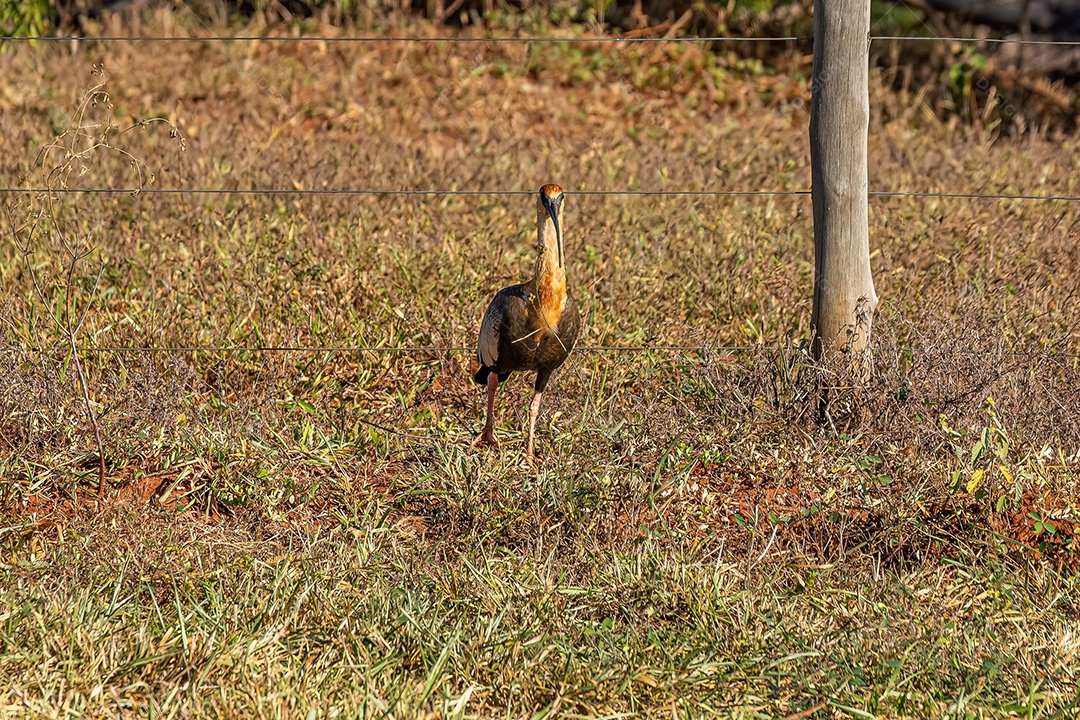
(486, 438)
(530, 454)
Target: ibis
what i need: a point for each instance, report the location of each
(531, 326)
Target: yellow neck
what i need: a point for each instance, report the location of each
(550, 277)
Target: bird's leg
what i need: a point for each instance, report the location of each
(534, 411)
(487, 437)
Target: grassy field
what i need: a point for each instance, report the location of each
(309, 533)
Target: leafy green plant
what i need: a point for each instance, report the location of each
(24, 18)
(869, 464)
(989, 455)
(1041, 524)
(962, 79)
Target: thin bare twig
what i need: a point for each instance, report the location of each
(77, 143)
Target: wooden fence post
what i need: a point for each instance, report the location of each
(844, 297)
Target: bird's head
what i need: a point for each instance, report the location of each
(549, 204)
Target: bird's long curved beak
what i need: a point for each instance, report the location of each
(552, 207)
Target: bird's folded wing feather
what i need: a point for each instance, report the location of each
(494, 323)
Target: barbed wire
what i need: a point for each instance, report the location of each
(594, 193)
(373, 39)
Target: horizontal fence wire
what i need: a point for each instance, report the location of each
(419, 349)
(383, 39)
(372, 191)
(519, 40)
(379, 349)
(999, 41)
(594, 193)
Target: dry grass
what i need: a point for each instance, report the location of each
(292, 531)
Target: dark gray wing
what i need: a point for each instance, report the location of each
(506, 302)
